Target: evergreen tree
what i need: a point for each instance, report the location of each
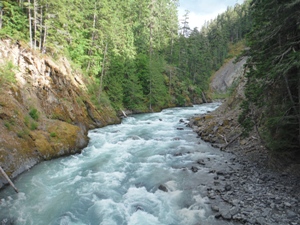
(130, 49)
(12, 20)
(273, 86)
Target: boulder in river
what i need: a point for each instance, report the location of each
(163, 188)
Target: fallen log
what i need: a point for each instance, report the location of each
(224, 147)
(124, 114)
(9, 181)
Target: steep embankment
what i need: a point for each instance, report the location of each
(253, 192)
(221, 127)
(227, 74)
(46, 113)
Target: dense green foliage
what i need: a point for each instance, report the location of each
(7, 73)
(134, 52)
(272, 102)
(197, 54)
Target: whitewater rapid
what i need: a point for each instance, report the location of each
(134, 173)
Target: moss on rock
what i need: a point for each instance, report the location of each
(59, 123)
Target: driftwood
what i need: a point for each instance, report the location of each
(224, 147)
(7, 178)
(124, 114)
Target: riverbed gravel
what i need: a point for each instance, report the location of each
(251, 188)
(249, 194)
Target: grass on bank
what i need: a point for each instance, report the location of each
(7, 73)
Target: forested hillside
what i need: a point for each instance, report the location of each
(272, 105)
(134, 54)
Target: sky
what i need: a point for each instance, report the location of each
(203, 10)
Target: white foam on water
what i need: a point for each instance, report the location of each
(120, 177)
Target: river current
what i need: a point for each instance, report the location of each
(135, 173)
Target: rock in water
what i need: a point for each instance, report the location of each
(162, 188)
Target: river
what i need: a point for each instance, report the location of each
(143, 171)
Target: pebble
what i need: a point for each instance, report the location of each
(215, 208)
(227, 187)
(254, 195)
(244, 191)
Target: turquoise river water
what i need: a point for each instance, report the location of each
(135, 173)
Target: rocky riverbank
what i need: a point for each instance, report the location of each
(247, 189)
(255, 186)
(246, 193)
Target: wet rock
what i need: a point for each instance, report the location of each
(218, 216)
(214, 145)
(220, 173)
(194, 169)
(134, 137)
(215, 208)
(226, 216)
(181, 121)
(234, 210)
(291, 214)
(138, 207)
(227, 187)
(210, 195)
(287, 204)
(217, 183)
(201, 162)
(261, 220)
(7, 221)
(180, 128)
(163, 188)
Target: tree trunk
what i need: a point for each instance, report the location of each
(93, 39)
(171, 60)
(29, 19)
(1, 15)
(34, 23)
(8, 180)
(102, 72)
(44, 39)
(41, 30)
(43, 50)
(151, 48)
(21, 3)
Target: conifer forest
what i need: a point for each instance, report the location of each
(137, 55)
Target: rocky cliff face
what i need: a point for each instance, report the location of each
(221, 127)
(227, 74)
(46, 113)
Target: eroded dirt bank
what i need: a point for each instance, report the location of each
(46, 113)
